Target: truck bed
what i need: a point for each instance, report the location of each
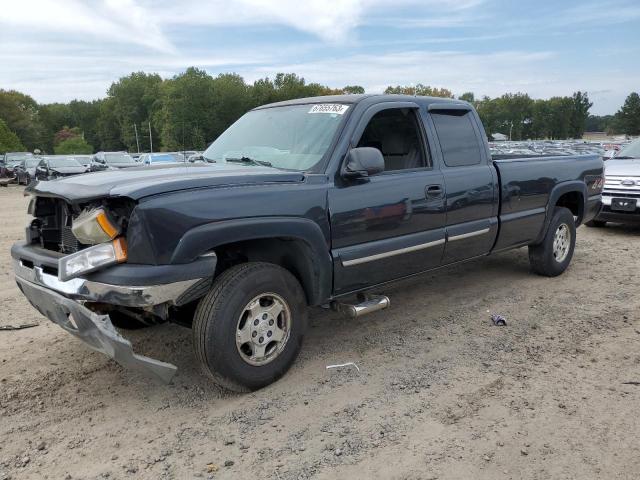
(526, 185)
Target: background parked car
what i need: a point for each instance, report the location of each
(621, 194)
(83, 159)
(111, 160)
(161, 158)
(9, 162)
(54, 167)
(25, 171)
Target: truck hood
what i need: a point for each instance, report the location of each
(139, 182)
(620, 168)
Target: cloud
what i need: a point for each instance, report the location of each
(59, 50)
(120, 21)
(331, 21)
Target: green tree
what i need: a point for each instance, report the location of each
(597, 123)
(135, 98)
(20, 112)
(353, 89)
(66, 133)
(54, 116)
(468, 97)
(420, 89)
(560, 112)
(579, 114)
(9, 141)
(84, 115)
(188, 105)
(629, 115)
(108, 128)
(74, 145)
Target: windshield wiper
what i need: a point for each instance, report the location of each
(624, 158)
(249, 161)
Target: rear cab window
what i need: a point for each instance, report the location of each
(457, 136)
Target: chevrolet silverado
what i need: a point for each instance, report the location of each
(308, 202)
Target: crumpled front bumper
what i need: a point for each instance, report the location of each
(131, 286)
(95, 330)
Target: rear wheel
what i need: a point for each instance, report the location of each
(248, 329)
(552, 256)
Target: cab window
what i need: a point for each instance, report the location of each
(396, 133)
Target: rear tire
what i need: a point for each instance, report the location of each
(552, 256)
(596, 224)
(248, 330)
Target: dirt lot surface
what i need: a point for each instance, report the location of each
(441, 392)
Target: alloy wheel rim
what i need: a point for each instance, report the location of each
(263, 329)
(561, 243)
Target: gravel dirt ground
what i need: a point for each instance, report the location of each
(441, 393)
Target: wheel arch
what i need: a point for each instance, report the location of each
(571, 195)
(296, 244)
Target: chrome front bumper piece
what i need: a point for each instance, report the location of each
(95, 330)
(64, 304)
(121, 295)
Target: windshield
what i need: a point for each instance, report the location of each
(118, 158)
(292, 137)
(63, 162)
(632, 150)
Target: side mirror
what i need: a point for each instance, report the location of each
(363, 162)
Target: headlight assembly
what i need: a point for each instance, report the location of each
(94, 226)
(92, 258)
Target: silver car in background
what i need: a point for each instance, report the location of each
(621, 193)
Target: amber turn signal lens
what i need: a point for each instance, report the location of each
(120, 249)
(106, 225)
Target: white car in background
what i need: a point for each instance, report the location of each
(161, 158)
(621, 193)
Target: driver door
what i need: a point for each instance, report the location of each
(389, 225)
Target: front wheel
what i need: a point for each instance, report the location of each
(248, 329)
(552, 256)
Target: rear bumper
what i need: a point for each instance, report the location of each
(140, 286)
(93, 329)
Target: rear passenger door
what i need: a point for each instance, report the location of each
(470, 182)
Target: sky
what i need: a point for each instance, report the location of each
(58, 50)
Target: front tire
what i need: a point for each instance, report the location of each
(552, 256)
(248, 330)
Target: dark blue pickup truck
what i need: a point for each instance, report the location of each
(308, 202)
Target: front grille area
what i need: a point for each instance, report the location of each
(622, 186)
(68, 242)
(51, 228)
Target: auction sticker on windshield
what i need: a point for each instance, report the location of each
(336, 108)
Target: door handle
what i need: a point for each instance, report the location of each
(434, 191)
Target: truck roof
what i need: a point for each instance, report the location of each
(370, 98)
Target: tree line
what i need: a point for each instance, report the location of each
(191, 109)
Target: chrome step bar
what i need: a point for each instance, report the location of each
(368, 304)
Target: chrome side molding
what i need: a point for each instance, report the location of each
(391, 253)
